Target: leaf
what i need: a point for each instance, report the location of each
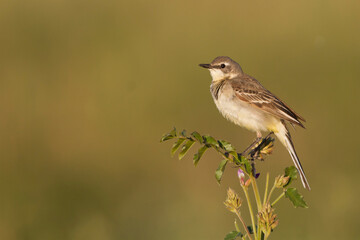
(173, 132)
(219, 172)
(295, 198)
(176, 145)
(169, 135)
(234, 156)
(166, 137)
(233, 235)
(185, 148)
(211, 141)
(197, 136)
(292, 173)
(183, 133)
(238, 159)
(199, 154)
(247, 165)
(226, 145)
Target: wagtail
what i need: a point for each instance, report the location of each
(243, 100)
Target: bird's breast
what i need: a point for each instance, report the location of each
(242, 113)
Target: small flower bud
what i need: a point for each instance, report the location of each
(281, 181)
(241, 176)
(247, 183)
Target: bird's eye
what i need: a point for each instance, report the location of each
(222, 65)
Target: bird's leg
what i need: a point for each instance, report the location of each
(268, 135)
(258, 134)
(256, 150)
(257, 140)
(254, 147)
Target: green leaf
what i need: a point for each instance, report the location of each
(241, 160)
(211, 141)
(173, 132)
(219, 172)
(199, 154)
(295, 198)
(183, 133)
(235, 158)
(169, 135)
(247, 165)
(176, 145)
(292, 173)
(185, 148)
(233, 235)
(166, 137)
(226, 145)
(197, 136)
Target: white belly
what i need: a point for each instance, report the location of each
(245, 115)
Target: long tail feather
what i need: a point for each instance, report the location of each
(285, 138)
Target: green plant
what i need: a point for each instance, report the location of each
(263, 219)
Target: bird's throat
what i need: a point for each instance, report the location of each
(217, 74)
(216, 86)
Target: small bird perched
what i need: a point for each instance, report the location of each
(243, 100)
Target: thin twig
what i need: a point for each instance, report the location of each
(250, 210)
(256, 193)
(271, 191)
(257, 199)
(257, 140)
(243, 223)
(278, 198)
(266, 187)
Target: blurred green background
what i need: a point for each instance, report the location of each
(89, 87)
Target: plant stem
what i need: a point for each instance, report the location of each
(265, 237)
(271, 191)
(256, 192)
(276, 200)
(266, 187)
(236, 226)
(250, 210)
(264, 201)
(258, 201)
(221, 153)
(243, 223)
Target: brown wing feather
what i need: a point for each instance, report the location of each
(250, 90)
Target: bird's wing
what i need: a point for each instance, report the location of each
(251, 91)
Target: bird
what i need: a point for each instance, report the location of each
(241, 99)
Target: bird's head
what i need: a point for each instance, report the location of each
(223, 67)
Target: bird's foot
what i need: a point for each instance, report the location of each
(264, 147)
(252, 146)
(255, 146)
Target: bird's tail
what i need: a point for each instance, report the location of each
(285, 138)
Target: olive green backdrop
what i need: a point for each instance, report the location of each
(89, 87)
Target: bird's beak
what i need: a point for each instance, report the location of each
(205, 65)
